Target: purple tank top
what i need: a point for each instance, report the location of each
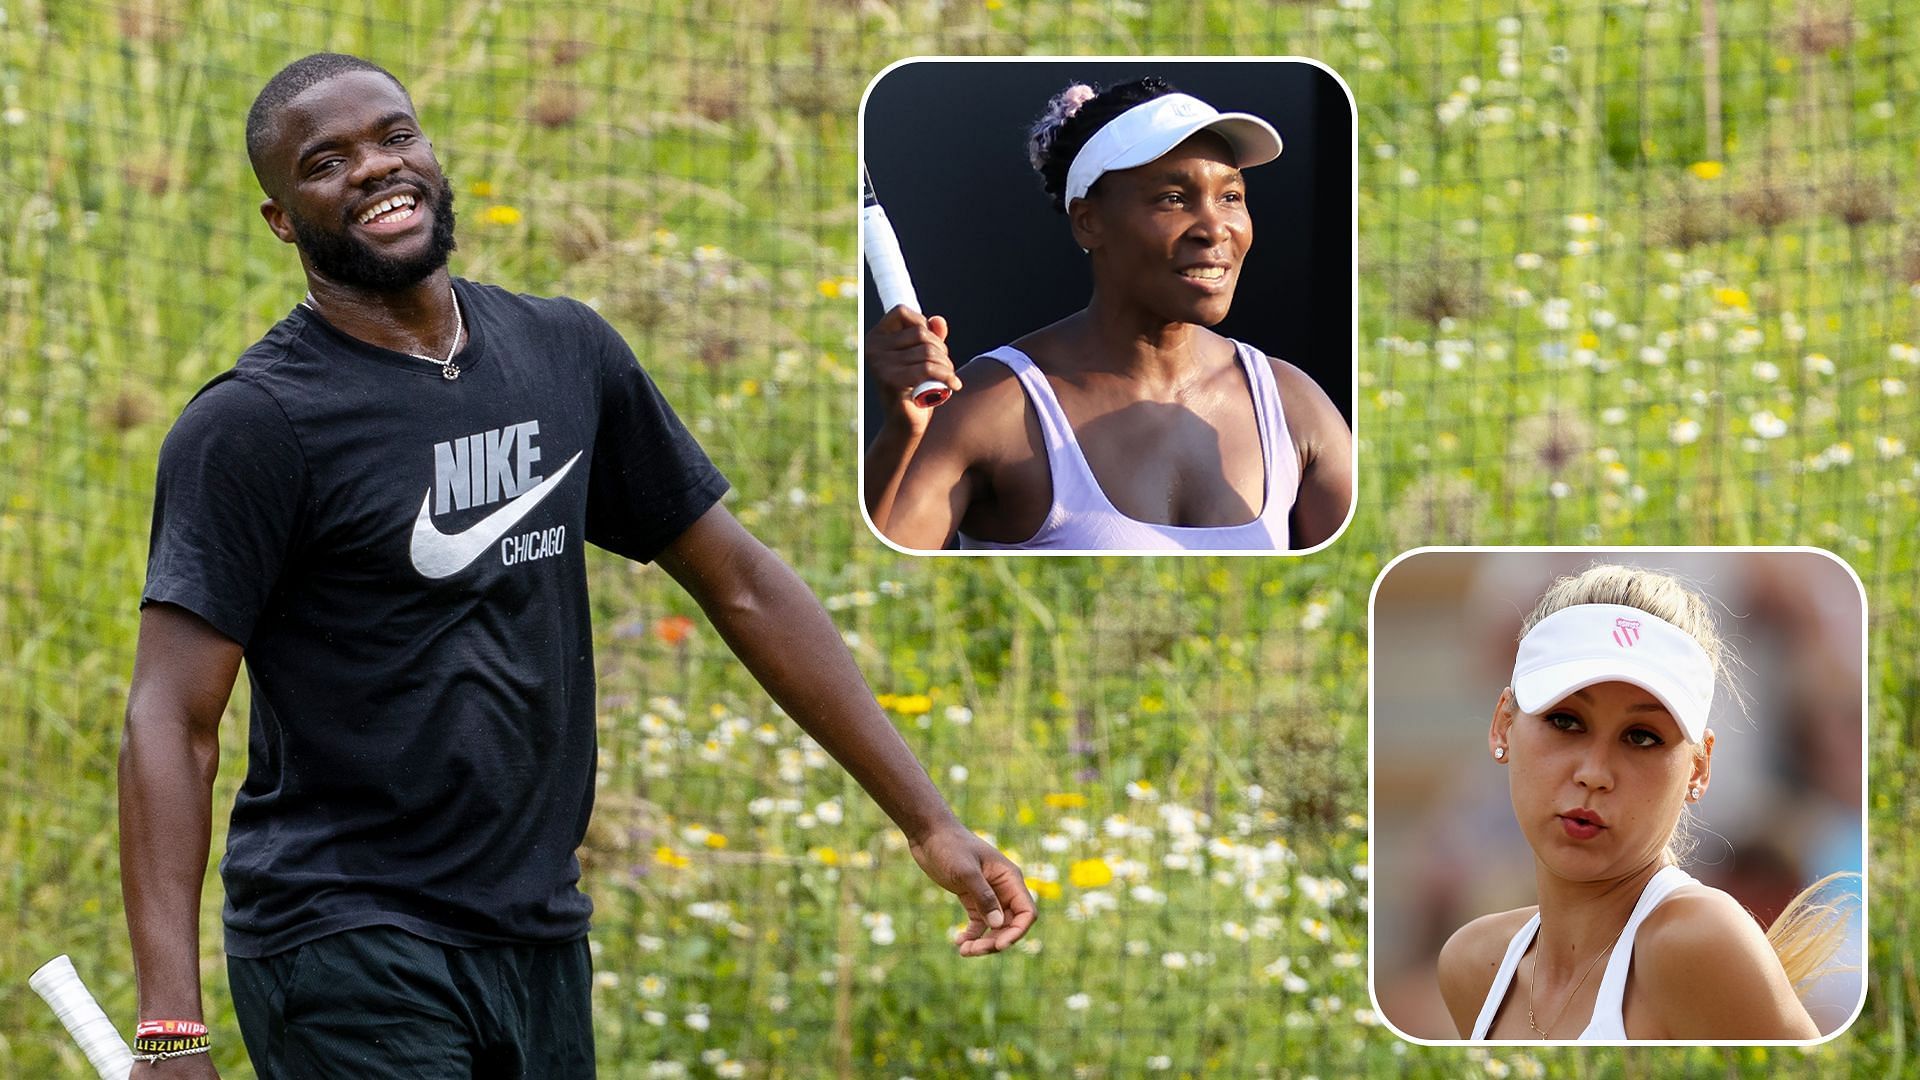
(1082, 518)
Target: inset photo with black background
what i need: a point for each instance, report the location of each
(945, 141)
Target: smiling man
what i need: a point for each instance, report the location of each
(382, 509)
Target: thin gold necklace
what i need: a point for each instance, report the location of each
(1533, 978)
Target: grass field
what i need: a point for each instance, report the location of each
(1594, 309)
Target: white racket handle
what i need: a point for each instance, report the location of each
(885, 262)
(60, 986)
(890, 279)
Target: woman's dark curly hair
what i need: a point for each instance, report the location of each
(1071, 118)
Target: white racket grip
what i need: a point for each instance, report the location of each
(890, 279)
(885, 262)
(60, 986)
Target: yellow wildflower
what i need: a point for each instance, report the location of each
(1707, 170)
(911, 704)
(1043, 890)
(1065, 800)
(666, 856)
(1090, 873)
(500, 215)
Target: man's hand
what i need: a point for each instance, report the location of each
(989, 886)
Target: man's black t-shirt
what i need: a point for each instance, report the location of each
(401, 557)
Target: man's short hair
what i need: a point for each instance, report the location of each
(292, 81)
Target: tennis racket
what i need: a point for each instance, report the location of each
(889, 269)
(60, 986)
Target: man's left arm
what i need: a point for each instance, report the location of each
(773, 623)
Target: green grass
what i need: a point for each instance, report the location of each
(689, 169)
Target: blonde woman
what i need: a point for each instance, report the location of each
(1603, 733)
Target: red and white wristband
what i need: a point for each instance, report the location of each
(189, 1028)
(158, 1040)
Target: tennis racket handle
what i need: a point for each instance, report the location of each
(60, 986)
(885, 262)
(890, 279)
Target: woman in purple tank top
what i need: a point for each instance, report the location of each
(1128, 425)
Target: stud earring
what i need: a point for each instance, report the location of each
(1693, 793)
(1499, 753)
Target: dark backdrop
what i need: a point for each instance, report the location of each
(945, 142)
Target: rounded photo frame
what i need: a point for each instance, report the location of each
(1780, 804)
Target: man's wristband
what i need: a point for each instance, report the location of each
(158, 1040)
(170, 1044)
(165, 1054)
(169, 1027)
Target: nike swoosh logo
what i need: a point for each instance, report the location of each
(437, 554)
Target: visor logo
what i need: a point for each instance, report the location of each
(1626, 632)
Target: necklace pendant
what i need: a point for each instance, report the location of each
(449, 372)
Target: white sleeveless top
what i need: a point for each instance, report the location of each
(1608, 1023)
(1082, 518)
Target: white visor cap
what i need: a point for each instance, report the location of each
(1587, 644)
(1151, 128)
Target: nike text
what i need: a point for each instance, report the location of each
(485, 467)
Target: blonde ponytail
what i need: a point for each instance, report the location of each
(1808, 933)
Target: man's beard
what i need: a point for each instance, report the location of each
(347, 259)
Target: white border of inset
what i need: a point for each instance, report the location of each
(1866, 795)
(860, 349)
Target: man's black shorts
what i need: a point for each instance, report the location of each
(380, 1002)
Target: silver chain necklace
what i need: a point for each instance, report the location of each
(448, 369)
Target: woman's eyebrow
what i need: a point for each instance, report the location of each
(1641, 706)
(1177, 175)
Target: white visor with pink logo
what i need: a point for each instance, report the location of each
(1588, 644)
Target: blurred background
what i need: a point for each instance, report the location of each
(1633, 273)
(1784, 807)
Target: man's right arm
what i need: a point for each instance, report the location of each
(183, 673)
